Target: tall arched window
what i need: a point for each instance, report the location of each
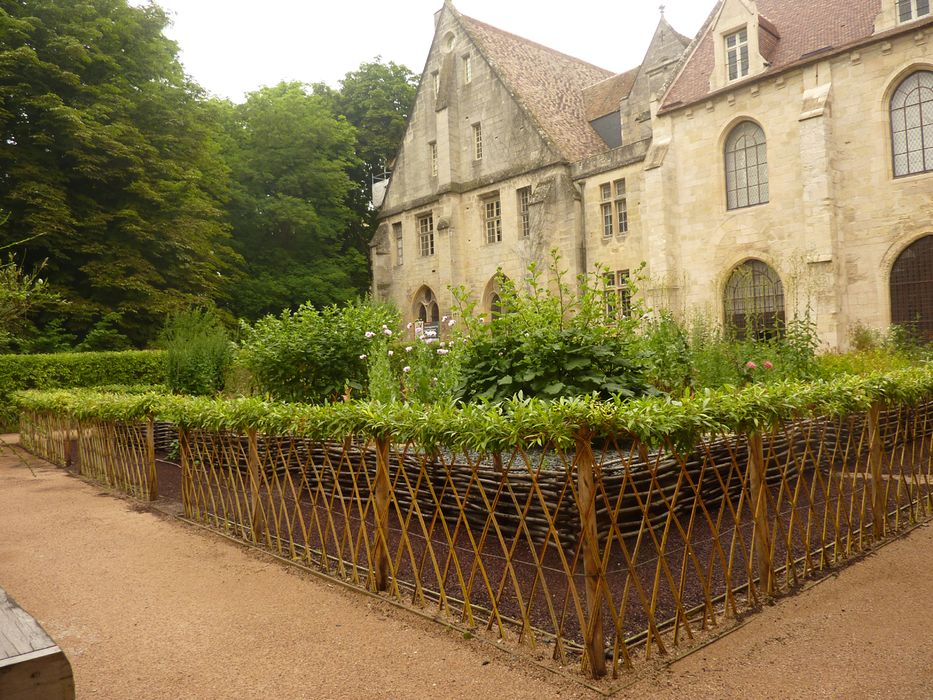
(912, 124)
(912, 288)
(427, 311)
(754, 302)
(492, 295)
(495, 305)
(746, 166)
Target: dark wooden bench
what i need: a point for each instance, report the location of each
(32, 667)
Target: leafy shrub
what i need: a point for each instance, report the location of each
(310, 355)
(198, 352)
(666, 349)
(718, 360)
(553, 344)
(862, 338)
(65, 370)
(525, 422)
(407, 367)
(105, 336)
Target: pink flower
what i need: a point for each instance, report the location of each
(369, 334)
(751, 365)
(442, 351)
(767, 364)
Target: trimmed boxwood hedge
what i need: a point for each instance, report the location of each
(516, 422)
(75, 369)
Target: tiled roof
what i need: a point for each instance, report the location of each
(804, 27)
(604, 97)
(547, 83)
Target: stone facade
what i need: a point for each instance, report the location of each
(834, 220)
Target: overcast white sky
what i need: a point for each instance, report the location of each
(235, 46)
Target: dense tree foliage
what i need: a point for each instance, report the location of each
(141, 196)
(106, 150)
(303, 162)
(290, 157)
(377, 99)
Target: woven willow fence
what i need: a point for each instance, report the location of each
(118, 454)
(601, 548)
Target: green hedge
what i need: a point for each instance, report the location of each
(514, 423)
(75, 369)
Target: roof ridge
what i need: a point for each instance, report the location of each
(536, 44)
(634, 69)
(689, 52)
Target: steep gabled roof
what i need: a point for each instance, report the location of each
(803, 28)
(604, 97)
(547, 83)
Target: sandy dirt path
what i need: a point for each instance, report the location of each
(147, 607)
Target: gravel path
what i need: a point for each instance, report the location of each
(147, 607)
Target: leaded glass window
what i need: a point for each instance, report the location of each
(912, 288)
(754, 302)
(746, 167)
(912, 125)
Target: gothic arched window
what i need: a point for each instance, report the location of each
(426, 310)
(912, 288)
(912, 124)
(754, 302)
(746, 157)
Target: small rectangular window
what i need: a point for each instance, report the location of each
(433, 148)
(912, 9)
(620, 206)
(436, 82)
(467, 68)
(618, 295)
(737, 54)
(492, 215)
(524, 212)
(606, 209)
(426, 234)
(397, 231)
(477, 142)
(613, 209)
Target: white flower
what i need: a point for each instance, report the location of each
(391, 352)
(443, 344)
(451, 322)
(430, 340)
(362, 357)
(408, 326)
(408, 348)
(406, 368)
(384, 326)
(387, 331)
(442, 351)
(443, 319)
(369, 334)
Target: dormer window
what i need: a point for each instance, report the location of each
(737, 53)
(908, 10)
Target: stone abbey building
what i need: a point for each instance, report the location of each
(780, 160)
